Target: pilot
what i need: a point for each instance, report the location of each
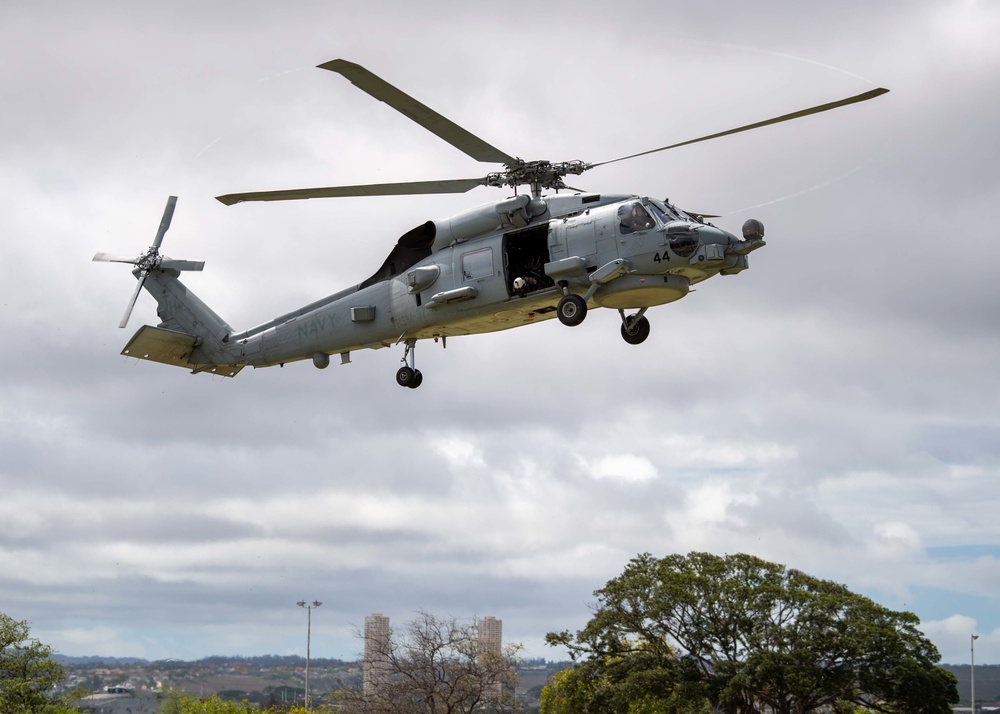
(634, 217)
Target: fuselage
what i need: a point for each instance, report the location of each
(501, 266)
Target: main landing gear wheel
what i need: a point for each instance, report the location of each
(571, 310)
(409, 377)
(635, 329)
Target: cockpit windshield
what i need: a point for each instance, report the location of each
(664, 211)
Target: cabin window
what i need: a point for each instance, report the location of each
(477, 264)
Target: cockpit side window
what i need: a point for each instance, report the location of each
(633, 217)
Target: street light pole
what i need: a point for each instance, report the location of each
(308, 607)
(972, 673)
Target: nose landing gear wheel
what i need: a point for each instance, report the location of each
(571, 310)
(635, 330)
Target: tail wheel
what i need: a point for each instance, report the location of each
(571, 310)
(635, 331)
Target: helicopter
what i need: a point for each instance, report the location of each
(521, 260)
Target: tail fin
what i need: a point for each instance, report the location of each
(191, 335)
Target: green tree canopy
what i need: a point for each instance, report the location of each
(745, 635)
(27, 671)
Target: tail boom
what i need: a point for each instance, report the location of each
(191, 334)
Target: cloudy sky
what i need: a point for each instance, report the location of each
(835, 408)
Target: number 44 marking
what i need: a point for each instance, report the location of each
(661, 257)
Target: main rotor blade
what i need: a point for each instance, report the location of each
(785, 117)
(131, 303)
(420, 113)
(374, 189)
(168, 214)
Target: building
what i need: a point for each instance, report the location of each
(490, 635)
(375, 666)
(490, 632)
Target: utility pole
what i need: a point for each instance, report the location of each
(972, 673)
(308, 607)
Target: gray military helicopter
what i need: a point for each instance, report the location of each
(514, 262)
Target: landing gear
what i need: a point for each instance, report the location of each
(571, 310)
(635, 327)
(408, 375)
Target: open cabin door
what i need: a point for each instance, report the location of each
(525, 253)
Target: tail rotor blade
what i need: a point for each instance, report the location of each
(131, 303)
(168, 214)
(112, 258)
(171, 264)
(150, 260)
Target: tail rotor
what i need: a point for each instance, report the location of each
(151, 259)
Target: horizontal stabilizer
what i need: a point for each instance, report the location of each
(169, 347)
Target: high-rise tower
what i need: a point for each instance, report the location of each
(376, 663)
(490, 635)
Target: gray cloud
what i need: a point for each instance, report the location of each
(833, 408)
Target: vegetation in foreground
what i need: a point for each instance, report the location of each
(28, 673)
(692, 634)
(739, 635)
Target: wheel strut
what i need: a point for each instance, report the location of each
(630, 321)
(408, 375)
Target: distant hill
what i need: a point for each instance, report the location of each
(987, 681)
(275, 661)
(98, 660)
(259, 660)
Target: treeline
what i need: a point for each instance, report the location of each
(276, 661)
(270, 660)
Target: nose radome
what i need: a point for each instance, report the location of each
(753, 229)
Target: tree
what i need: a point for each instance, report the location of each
(746, 635)
(438, 666)
(645, 682)
(27, 671)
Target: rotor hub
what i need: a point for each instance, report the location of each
(537, 174)
(150, 260)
